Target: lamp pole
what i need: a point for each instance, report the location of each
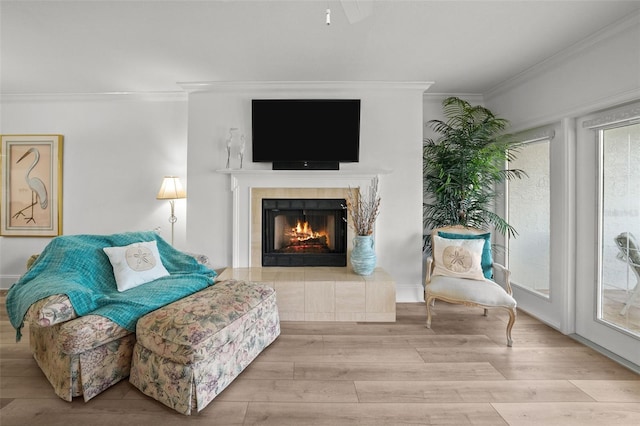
(171, 189)
(173, 217)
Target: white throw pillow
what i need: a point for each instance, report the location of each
(135, 264)
(458, 258)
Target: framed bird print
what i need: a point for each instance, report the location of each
(31, 181)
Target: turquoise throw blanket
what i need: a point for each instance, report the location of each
(77, 266)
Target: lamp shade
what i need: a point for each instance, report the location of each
(171, 189)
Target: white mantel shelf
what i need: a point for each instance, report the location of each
(267, 178)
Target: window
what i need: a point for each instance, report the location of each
(528, 211)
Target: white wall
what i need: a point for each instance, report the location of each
(118, 147)
(116, 150)
(391, 138)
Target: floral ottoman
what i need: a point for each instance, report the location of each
(189, 351)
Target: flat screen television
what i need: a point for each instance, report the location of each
(298, 134)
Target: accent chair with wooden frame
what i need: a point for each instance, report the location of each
(461, 270)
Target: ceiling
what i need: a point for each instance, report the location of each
(92, 46)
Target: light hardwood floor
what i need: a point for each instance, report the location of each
(458, 373)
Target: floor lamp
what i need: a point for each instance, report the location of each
(171, 190)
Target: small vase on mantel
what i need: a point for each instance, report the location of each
(363, 255)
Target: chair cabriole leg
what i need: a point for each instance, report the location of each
(512, 320)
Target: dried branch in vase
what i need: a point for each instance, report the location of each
(363, 208)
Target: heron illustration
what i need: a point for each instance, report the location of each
(38, 190)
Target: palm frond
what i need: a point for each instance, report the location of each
(463, 166)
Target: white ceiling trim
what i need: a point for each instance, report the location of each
(215, 86)
(105, 96)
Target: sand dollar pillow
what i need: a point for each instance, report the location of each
(135, 264)
(458, 258)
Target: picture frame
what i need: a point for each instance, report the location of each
(31, 182)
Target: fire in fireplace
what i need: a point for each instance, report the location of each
(301, 238)
(304, 232)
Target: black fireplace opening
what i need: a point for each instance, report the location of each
(304, 232)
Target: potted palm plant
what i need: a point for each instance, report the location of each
(463, 167)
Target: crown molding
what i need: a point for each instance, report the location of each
(104, 96)
(221, 86)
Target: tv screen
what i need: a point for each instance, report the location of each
(305, 130)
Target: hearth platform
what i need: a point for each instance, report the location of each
(325, 293)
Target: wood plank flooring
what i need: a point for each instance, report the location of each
(316, 373)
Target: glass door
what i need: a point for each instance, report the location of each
(608, 266)
(618, 303)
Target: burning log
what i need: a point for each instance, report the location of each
(317, 241)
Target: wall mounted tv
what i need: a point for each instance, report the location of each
(300, 134)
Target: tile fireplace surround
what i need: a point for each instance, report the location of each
(305, 293)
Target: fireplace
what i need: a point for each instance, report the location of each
(304, 232)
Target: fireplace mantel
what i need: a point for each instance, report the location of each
(243, 181)
(264, 175)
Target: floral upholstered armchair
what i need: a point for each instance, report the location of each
(78, 355)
